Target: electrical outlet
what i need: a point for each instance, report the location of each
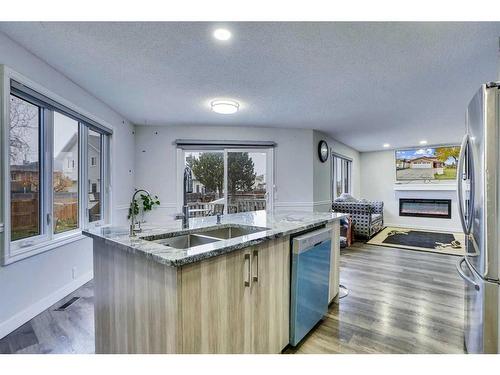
(73, 273)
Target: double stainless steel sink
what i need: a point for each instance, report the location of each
(205, 236)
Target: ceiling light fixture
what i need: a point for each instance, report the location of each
(386, 145)
(222, 34)
(225, 107)
(423, 142)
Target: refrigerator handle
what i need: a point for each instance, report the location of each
(463, 275)
(460, 168)
(472, 185)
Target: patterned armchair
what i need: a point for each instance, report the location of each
(367, 216)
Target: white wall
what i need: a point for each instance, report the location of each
(377, 183)
(322, 171)
(156, 157)
(302, 181)
(29, 286)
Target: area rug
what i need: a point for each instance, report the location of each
(422, 240)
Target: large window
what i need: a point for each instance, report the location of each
(341, 175)
(54, 155)
(228, 180)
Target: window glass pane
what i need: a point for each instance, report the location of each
(94, 174)
(207, 197)
(341, 176)
(246, 183)
(345, 175)
(24, 159)
(348, 179)
(338, 174)
(65, 177)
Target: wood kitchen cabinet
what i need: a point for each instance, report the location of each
(216, 308)
(270, 296)
(238, 302)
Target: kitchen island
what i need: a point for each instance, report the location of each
(212, 288)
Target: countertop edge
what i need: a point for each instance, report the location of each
(208, 254)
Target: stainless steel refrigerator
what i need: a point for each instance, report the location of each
(479, 204)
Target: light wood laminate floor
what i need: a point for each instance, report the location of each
(400, 301)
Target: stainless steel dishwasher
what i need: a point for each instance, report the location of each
(310, 281)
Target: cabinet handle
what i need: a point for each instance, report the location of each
(256, 256)
(249, 269)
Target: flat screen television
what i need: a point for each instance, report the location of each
(427, 163)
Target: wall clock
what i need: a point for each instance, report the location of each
(323, 151)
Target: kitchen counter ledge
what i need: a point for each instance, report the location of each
(277, 225)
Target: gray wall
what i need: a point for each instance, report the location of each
(302, 181)
(323, 171)
(31, 285)
(156, 158)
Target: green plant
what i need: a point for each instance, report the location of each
(147, 202)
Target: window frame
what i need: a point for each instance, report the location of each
(47, 240)
(346, 174)
(181, 151)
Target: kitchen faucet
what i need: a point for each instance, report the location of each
(187, 188)
(132, 209)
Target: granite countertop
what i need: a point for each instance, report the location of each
(274, 225)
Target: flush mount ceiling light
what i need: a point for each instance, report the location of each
(423, 142)
(225, 107)
(386, 145)
(222, 34)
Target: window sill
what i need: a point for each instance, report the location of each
(39, 248)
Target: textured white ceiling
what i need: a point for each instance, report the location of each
(365, 84)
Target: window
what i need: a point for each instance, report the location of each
(228, 180)
(341, 175)
(25, 165)
(65, 181)
(208, 181)
(246, 181)
(94, 151)
(50, 148)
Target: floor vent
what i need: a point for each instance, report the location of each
(67, 304)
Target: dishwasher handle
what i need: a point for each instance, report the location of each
(319, 243)
(308, 241)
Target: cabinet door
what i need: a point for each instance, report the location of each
(334, 262)
(216, 303)
(270, 296)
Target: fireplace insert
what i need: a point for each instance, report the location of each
(436, 208)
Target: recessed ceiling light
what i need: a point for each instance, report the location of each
(423, 142)
(225, 107)
(385, 145)
(222, 34)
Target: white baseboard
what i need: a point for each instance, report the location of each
(423, 227)
(36, 308)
